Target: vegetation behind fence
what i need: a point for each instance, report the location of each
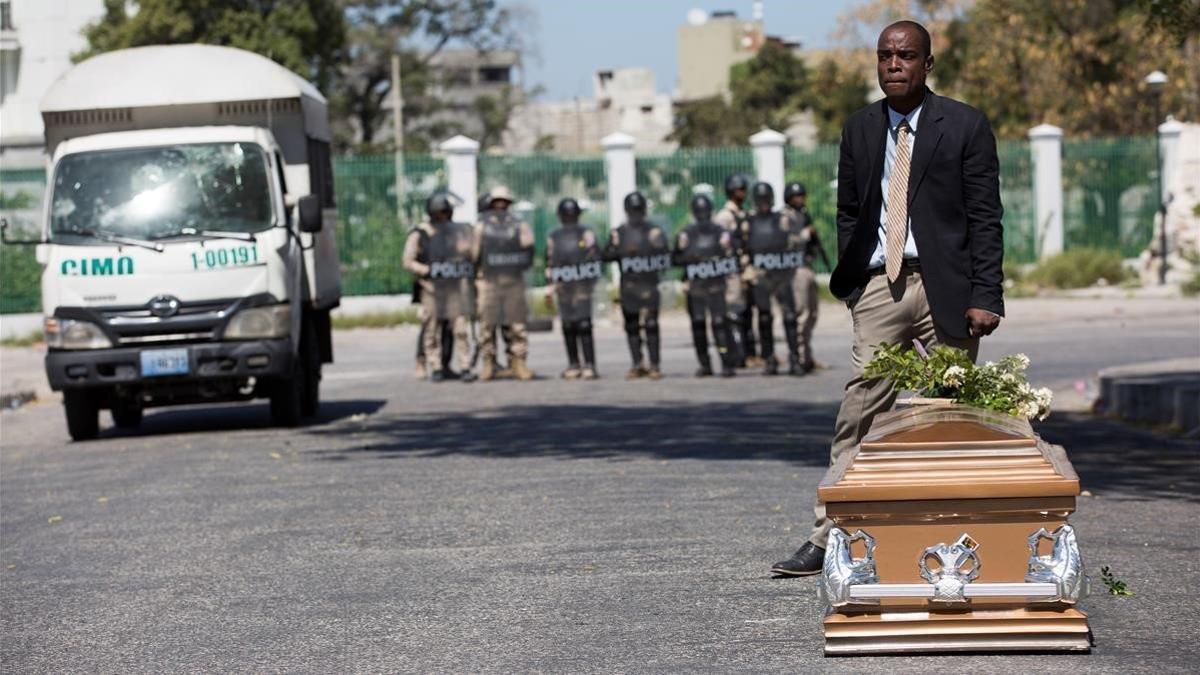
(1110, 188)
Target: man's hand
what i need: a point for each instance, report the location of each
(550, 298)
(982, 322)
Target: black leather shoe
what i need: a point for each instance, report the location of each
(705, 370)
(805, 562)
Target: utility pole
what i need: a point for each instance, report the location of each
(398, 134)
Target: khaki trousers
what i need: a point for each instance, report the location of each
(808, 304)
(897, 313)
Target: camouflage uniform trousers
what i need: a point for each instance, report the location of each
(431, 334)
(494, 294)
(808, 303)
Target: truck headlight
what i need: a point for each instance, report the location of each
(74, 334)
(274, 321)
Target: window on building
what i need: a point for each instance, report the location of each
(458, 77)
(6, 15)
(495, 74)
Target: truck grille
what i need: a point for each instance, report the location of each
(137, 325)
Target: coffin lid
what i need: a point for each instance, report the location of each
(949, 452)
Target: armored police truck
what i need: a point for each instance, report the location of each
(188, 239)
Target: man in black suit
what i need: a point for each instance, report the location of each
(919, 237)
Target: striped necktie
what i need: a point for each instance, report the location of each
(897, 205)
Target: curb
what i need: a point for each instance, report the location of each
(1157, 392)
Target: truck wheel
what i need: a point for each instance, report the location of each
(286, 397)
(83, 415)
(127, 415)
(310, 356)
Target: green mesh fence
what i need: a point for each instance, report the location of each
(817, 170)
(670, 180)
(1110, 189)
(371, 232)
(1016, 194)
(21, 194)
(539, 182)
(1109, 199)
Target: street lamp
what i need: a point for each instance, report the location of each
(1156, 82)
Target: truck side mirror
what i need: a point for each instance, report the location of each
(309, 207)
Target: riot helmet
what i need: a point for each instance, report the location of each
(794, 188)
(702, 208)
(763, 195)
(437, 203)
(568, 211)
(635, 203)
(735, 182)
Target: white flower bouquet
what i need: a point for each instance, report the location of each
(946, 372)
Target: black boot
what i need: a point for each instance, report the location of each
(587, 344)
(700, 342)
(793, 344)
(447, 343)
(766, 342)
(737, 351)
(570, 335)
(653, 344)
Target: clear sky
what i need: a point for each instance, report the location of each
(574, 38)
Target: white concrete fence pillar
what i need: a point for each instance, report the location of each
(462, 175)
(621, 171)
(768, 147)
(1169, 133)
(1045, 147)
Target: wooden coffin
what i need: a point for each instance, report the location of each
(950, 501)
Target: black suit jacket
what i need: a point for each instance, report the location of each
(953, 200)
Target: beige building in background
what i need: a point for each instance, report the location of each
(624, 99)
(708, 46)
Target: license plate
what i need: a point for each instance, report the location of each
(157, 362)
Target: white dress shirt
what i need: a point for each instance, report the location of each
(910, 245)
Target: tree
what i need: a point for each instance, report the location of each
(1078, 64)
(765, 91)
(769, 90)
(417, 30)
(707, 122)
(305, 36)
(837, 89)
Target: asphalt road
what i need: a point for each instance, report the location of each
(554, 526)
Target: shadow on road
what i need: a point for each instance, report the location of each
(1110, 457)
(778, 430)
(233, 417)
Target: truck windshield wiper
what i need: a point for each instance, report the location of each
(104, 235)
(210, 234)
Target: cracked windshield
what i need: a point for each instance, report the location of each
(154, 193)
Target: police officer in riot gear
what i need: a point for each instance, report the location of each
(739, 301)
(643, 253)
(706, 253)
(573, 265)
(772, 246)
(795, 198)
(438, 252)
(503, 251)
